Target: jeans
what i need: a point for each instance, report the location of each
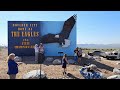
(76, 58)
(36, 56)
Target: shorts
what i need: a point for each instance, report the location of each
(64, 65)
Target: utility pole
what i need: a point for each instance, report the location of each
(40, 70)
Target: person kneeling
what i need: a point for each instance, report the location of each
(90, 72)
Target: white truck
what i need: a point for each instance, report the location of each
(114, 55)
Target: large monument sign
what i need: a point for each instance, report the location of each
(57, 36)
(22, 36)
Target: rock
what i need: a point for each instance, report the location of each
(18, 59)
(97, 58)
(118, 63)
(90, 57)
(49, 59)
(34, 74)
(116, 71)
(103, 76)
(71, 61)
(85, 55)
(57, 62)
(114, 77)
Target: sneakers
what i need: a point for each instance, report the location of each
(64, 73)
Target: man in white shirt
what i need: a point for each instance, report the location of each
(36, 52)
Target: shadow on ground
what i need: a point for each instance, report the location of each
(113, 59)
(98, 64)
(72, 76)
(28, 60)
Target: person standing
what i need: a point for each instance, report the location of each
(12, 66)
(91, 72)
(64, 63)
(41, 52)
(41, 48)
(75, 56)
(36, 52)
(79, 54)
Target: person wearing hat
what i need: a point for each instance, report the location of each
(12, 66)
(77, 55)
(90, 72)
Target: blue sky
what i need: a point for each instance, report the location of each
(93, 27)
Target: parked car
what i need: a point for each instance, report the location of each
(99, 53)
(114, 55)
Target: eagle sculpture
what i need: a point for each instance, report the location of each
(61, 37)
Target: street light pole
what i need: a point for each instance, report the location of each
(40, 62)
(40, 70)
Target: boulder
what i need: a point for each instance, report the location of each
(114, 77)
(103, 76)
(116, 71)
(18, 59)
(71, 61)
(118, 63)
(34, 74)
(87, 56)
(49, 59)
(90, 57)
(57, 62)
(97, 58)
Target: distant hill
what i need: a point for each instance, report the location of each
(99, 46)
(3, 45)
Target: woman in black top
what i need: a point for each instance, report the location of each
(64, 62)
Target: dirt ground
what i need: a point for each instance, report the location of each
(55, 71)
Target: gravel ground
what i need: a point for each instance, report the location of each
(55, 71)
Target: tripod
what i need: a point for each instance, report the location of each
(40, 61)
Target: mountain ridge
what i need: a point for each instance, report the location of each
(99, 46)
